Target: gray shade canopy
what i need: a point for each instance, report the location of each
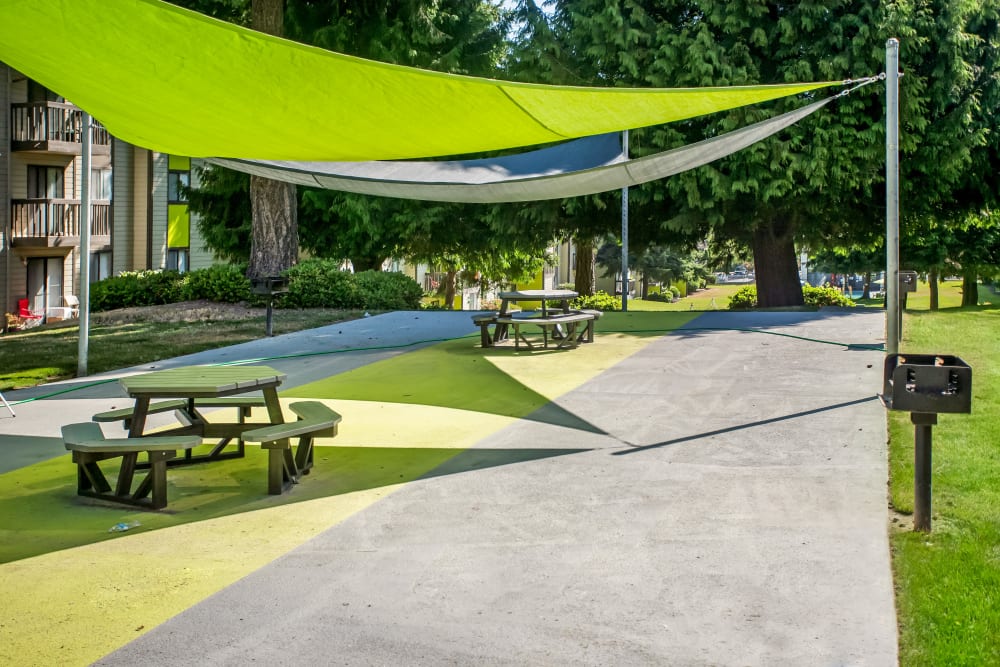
(580, 167)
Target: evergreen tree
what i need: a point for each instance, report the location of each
(822, 179)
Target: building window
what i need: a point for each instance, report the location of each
(45, 182)
(177, 260)
(100, 184)
(176, 182)
(100, 265)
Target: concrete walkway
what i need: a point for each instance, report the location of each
(728, 509)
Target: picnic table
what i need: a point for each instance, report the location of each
(210, 383)
(192, 389)
(563, 296)
(563, 324)
(188, 391)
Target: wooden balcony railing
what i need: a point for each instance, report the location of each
(54, 126)
(45, 218)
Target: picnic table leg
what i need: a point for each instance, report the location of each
(156, 480)
(274, 414)
(89, 475)
(125, 475)
(304, 454)
(158, 475)
(138, 424)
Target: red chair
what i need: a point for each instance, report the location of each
(30, 319)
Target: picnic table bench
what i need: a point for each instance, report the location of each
(89, 446)
(315, 420)
(562, 327)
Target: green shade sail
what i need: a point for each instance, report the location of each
(175, 81)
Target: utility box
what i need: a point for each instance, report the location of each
(269, 285)
(907, 281)
(929, 383)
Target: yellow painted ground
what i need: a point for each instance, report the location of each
(73, 606)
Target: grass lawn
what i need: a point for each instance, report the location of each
(715, 297)
(49, 352)
(948, 582)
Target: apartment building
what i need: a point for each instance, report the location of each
(139, 219)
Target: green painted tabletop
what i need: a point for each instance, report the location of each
(197, 381)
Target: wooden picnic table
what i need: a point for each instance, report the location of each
(202, 382)
(507, 299)
(188, 391)
(563, 296)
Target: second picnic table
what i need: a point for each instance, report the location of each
(560, 322)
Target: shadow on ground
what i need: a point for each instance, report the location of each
(41, 513)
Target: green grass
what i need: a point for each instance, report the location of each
(49, 353)
(948, 582)
(716, 297)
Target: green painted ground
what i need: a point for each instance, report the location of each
(40, 512)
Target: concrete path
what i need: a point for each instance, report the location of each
(732, 512)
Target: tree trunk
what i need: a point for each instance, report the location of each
(932, 282)
(645, 286)
(274, 239)
(970, 289)
(450, 287)
(866, 292)
(274, 242)
(585, 282)
(776, 266)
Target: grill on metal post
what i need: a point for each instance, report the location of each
(269, 286)
(925, 385)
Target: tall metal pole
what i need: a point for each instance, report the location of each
(625, 229)
(83, 342)
(893, 325)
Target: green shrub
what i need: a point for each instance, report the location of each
(675, 292)
(664, 297)
(222, 282)
(599, 301)
(136, 288)
(381, 290)
(319, 283)
(825, 296)
(744, 298)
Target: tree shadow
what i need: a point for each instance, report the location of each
(739, 427)
(40, 512)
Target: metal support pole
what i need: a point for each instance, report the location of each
(625, 229)
(268, 330)
(893, 321)
(85, 199)
(7, 405)
(922, 424)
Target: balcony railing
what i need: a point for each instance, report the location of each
(47, 218)
(54, 126)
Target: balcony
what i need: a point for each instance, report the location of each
(54, 127)
(49, 223)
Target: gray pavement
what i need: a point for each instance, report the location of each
(732, 512)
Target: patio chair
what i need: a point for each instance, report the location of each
(73, 303)
(30, 318)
